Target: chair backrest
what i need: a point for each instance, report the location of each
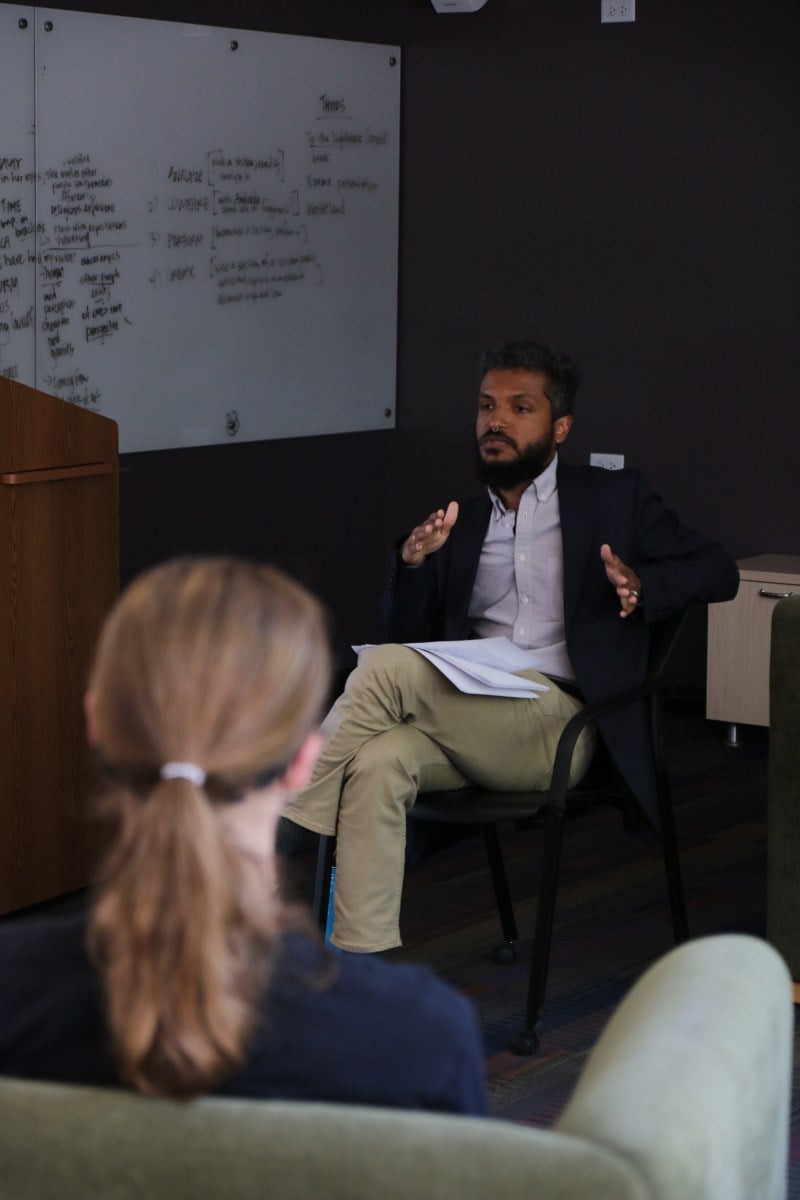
(663, 639)
(685, 1097)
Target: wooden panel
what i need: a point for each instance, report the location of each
(40, 432)
(58, 578)
(19, 478)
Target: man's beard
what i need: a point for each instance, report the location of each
(527, 466)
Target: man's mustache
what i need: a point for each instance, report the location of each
(497, 437)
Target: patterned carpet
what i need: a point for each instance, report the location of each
(612, 918)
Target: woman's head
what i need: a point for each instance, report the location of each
(217, 662)
(221, 665)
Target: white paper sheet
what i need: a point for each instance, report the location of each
(481, 666)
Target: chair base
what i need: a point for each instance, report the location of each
(505, 954)
(525, 1044)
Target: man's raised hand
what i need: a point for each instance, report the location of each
(624, 579)
(430, 535)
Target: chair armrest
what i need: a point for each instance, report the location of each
(562, 764)
(691, 1078)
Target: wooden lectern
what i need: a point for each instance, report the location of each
(59, 575)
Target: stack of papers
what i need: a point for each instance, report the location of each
(482, 666)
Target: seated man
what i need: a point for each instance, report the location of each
(551, 556)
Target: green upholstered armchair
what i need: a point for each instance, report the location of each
(783, 817)
(685, 1097)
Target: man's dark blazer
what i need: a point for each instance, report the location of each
(608, 654)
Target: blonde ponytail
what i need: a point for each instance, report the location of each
(225, 665)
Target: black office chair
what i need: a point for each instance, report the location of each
(488, 809)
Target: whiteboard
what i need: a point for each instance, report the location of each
(213, 251)
(17, 196)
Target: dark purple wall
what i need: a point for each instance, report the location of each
(628, 192)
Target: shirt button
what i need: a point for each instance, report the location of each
(524, 599)
(522, 631)
(522, 558)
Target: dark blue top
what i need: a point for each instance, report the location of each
(377, 1033)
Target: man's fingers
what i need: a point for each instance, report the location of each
(432, 533)
(438, 521)
(613, 565)
(624, 580)
(618, 572)
(451, 516)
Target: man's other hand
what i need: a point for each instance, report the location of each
(623, 579)
(428, 537)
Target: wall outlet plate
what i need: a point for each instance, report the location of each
(610, 462)
(617, 10)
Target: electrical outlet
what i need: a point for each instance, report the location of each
(617, 10)
(610, 462)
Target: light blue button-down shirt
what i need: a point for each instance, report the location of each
(519, 587)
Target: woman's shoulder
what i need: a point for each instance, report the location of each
(48, 936)
(360, 1029)
(51, 1024)
(370, 980)
(44, 966)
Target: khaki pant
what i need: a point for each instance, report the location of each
(400, 728)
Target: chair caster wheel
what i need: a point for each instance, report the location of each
(525, 1044)
(505, 955)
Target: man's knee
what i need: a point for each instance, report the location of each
(387, 661)
(389, 770)
(389, 757)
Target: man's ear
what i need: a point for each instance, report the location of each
(298, 772)
(561, 428)
(89, 711)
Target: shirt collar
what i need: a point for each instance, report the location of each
(543, 487)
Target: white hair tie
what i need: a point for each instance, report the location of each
(183, 770)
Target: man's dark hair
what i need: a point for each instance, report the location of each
(561, 373)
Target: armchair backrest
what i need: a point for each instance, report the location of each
(783, 792)
(685, 1097)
